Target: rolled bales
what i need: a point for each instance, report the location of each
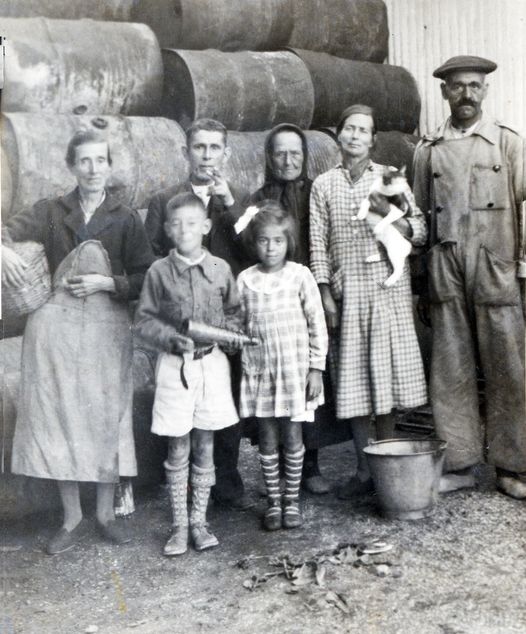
(146, 151)
(338, 83)
(245, 90)
(246, 166)
(354, 29)
(228, 25)
(70, 10)
(81, 66)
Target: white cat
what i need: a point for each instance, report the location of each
(392, 184)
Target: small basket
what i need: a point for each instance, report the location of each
(37, 288)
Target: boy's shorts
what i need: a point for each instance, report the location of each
(207, 403)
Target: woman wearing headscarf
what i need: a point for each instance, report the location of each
(375, 361)
(286, 180)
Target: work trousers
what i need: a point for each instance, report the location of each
(477, 319)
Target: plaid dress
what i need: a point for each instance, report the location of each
(375, 361)
(284, 311)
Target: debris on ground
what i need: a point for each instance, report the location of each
(313, 577)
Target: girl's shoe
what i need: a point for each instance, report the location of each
(202, 538)
(177, 543)
(292, 517)
(272, 518)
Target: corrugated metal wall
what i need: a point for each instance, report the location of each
(424, 33)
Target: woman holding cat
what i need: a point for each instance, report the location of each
(375, 360)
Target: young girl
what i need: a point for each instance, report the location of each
(282, 376)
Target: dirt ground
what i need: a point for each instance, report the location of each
(461, 571)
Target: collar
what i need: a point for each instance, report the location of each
(487, 129)
(187, 260)
(358, 170)
(102, 198)
(205, 263)
(75, 216)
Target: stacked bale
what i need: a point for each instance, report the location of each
(81, 66)
(70, 10)
(355, 29)
(245, 90)
(390, 90)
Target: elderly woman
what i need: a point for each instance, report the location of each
(374, 355)
(286, 180)
(74, 419)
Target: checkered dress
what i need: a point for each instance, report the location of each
(284, 311)
(375, 361)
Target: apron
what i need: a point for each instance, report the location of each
(75, 415)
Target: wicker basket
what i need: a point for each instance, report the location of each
(36, 290)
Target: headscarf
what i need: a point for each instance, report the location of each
(293, 195)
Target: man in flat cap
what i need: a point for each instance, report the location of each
(469, 177)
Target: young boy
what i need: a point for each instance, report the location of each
(193, 393)
(207, 152)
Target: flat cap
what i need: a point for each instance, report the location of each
(465, 62)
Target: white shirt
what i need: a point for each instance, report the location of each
(202, 191)
(450, 132)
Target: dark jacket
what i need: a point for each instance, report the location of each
(293, 195)
(58, 224)
(222, 241)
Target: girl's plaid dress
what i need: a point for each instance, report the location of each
(375, 360)
(284, 311)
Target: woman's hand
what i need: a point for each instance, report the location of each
(314, 384)
(13, 268)
(378, 204)
(85, 285)
(332, 313)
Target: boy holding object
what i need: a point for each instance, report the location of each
(193, 392)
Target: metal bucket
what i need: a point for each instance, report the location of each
(71, 10)
(146, 151)
(406, 475)
(81, 66)
(245, 90)
(256, 25)
(390, 90)
(354, 29)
